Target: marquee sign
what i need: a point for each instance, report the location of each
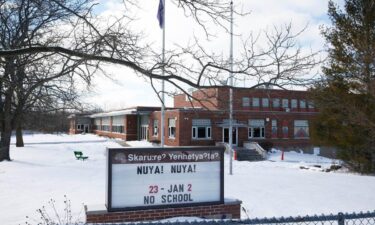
(140, 178)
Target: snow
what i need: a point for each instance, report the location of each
(140, 144)
(47, 169)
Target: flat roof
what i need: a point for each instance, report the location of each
(137, 110)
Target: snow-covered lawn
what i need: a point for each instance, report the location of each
(42, 171)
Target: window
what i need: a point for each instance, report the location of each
(276, 103)
(117, 129)
(285, 129)
(274, 129)
(255, 102)
(79, 126)
(97, 124)
(105, 124)
(265, 102)
(171, 128)
(285, 103)
(155, 129)
(294, 103)
(118, 124)
(245, 102)
(302, 104)
(201, 129)
(256, 129)
(301, 129)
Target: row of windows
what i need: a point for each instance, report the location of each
(171, 128)
(115, 128)
(301, 130)
(276, 103)
(201, 129)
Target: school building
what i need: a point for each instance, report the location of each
(266, 116)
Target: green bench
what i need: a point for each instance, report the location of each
(79, 155)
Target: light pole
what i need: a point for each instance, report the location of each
(231, 92)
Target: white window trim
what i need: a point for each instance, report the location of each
(170, 129)
(208, 137)
(252, 133)
(157, 129)
(169, 133)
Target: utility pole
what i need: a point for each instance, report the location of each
(231, 93)
(162, 119)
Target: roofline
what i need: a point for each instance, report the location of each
(135, 110)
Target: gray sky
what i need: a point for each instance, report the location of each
(126, 89)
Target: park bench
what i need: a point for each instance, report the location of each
(79, 155)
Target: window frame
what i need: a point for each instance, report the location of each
(283, 105)
(258, 102)
(294, 103)
(305, 128)
(116, 130)
(274, 100)
(274, 125)
(247, 102)
(171, 129)
(265, 100)
(251, 131)
(155, 128)
(207, 129)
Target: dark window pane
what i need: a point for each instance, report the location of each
(201, 132)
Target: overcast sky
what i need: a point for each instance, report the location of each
(126, 89)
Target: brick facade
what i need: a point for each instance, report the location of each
(222, 211)
(215, 109)
(213, 104)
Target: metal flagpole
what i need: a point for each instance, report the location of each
(162, 83)
(231, 92)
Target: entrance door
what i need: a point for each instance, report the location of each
(86, 128)
(226, 135)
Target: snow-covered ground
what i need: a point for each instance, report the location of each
(47, 170)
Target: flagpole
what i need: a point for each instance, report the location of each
(162, 82)
(231, 93)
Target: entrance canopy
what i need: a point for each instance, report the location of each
(235, 123)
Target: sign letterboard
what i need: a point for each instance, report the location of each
(140, 178)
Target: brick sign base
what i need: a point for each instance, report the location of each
(229, 210)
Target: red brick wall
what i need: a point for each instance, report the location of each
(210, 211)
(218, 98)
(168, 114)
(131, 127)
(208, 97)
(110, 134)
(184, 127)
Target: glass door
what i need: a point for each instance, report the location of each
(226, 135)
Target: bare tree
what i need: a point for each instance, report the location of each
(87, 40)
(25, 23)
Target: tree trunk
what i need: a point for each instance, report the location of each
(6, 126)
(5, 145)
(17, 124)
(19, 137)
(6, 133)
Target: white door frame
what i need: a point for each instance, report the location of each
(144, 132)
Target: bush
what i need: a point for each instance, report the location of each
(50, 215)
